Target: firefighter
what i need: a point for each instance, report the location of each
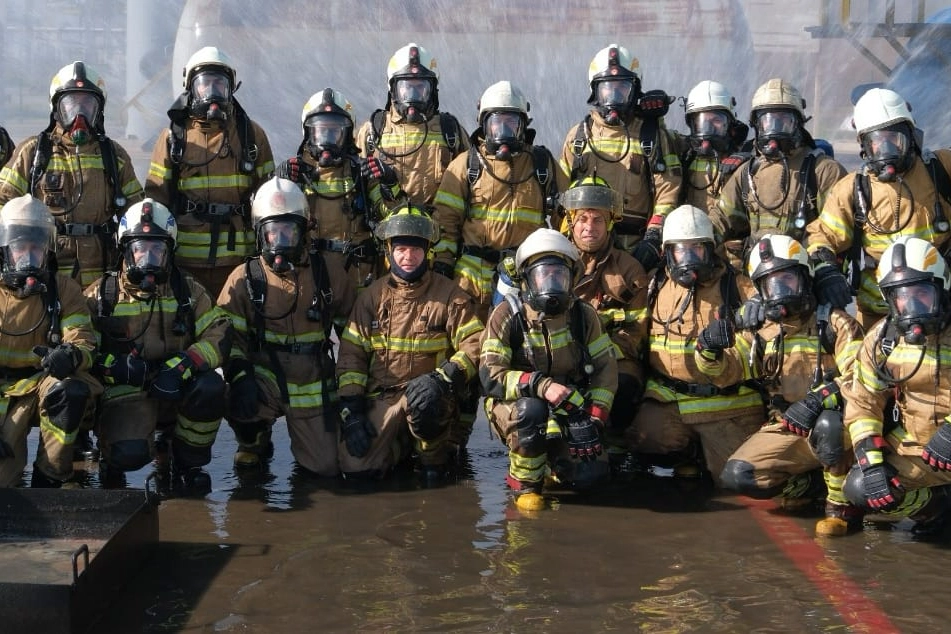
(410, 348)
(7, 146)
(337, 184)
(206, 165)
(48, 347)
(283, 309)
(801, 357)
(615, 284)
(548, 371)
(897, 406)
(411, 134)
(783, 186)
(162, 338)
(902, 190)
(697, 402)
(84, 177)
(625, 141)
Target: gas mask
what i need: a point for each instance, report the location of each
(78, 113)
(614, 99)
(888, 152)
(689, 262)
(211, 96)
(328, 136)
(548, 283)
(710, 132)
(147, 262)
(504, 134)
(24, 266)
(777, 132)
(785, 293)
(281, 242)
(413, 98)
(916, 309)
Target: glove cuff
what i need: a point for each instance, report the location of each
(452, 374)
(870, 451)
(598, 412)
(237, 368)
(351, 405)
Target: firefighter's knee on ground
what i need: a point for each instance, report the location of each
(65, 403)
(737, 475)
(826, 438)
(129, 455)
(207, 398)
(531, 418)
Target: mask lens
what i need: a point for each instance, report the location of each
(781, 285)
(211, 86)
(327, 130)
(886, 144)
(281, 234)
(615, 92)
(148, 253)
(915, 300)
(413, 90)
(550, 278)
(503, 125)
(73, 104)
(776, 122)
(710, 123)
(27, 255)
(689, 254)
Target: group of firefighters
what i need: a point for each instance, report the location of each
(645, 297)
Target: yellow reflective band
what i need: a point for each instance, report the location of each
(352, 378)
(864, 427)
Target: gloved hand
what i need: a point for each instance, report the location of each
(60, 361)
(243, 394)
(445, 269)
(752, 314)
(425, 398)
(719, 335)
(358, 431)
(297, 170)
(171, 379)
(800, 417)
(584, 436)
(937, 453)
(373, 167)
(831, 287)
(122, 369)
(647, 251)
(883, 489)
(654, 103)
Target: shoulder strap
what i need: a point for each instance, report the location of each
(579, 334)
(376, 129)
(942, 186)
(861, 200)
(108, 294)
(249, 148)
(517, 330)
(185, 313)
(653, 288)
(42, 153)
(577, 148)
(110, 164)
(256, 285)
(543, 161)
(451, 131)
(729, 291)
(54, 309)
(323, 292)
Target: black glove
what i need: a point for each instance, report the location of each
(831, 287)
(584, 436)
(426, 398)
(717, 336)
(752, 314)
(122, 369)
(373, 167)
(60, 361)
(444, 269)
(243, 394)
(171, 379)
(800, 417)
(883, 489)
(358, 431)
(937, 453)
(654, 103)
(297, 170)
(647, 251)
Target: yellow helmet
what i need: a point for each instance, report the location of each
(408, 221)
(591, 192)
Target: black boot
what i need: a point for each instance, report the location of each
(192, 482)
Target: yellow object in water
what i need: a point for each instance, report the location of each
(530, 502)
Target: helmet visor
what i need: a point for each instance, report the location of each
(278, 234)
(74, 104)
(710, 123)
(503, 126)
(688, 254)
(781, 286)
(26, 255)
(148, 253)
(886, 145)
(550, 276)
(413, 90)
(210, 85)
(615, 92)
(327, 130)
(776, 122)
(915, 301)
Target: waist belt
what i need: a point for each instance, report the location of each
(208, 210)
(696, 389)
(308, 348)
(487, 254)
(85, 229)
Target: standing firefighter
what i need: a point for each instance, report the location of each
(48, 345)
(624, 141)
(84, 177)
(206, 165)
(282, 306)
(411, 134)
(548, 371)
(162, 337)
(405, 358)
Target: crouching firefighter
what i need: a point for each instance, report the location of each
(48, 345)
(410, 348)
(801, 355)
(548, 371)
(162, 337)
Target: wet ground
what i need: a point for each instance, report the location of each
(282, 552)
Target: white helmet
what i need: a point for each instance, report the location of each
(209, 56)
(411, 61)
(714, 131)
(280, 215)
(789, 293)
(147, 219)
(709, 95)
(778, 93)
(910, 260)
(687, 224)
(774, 252)
(77, 77)
(878, 108)
(503, 96)
(327, 121)
(915, 281)
(688, 244)
(26, 214)
(612, 61)
(26, 225)
(545, 241)
(147, 236)
(615, 86)
(546, 263)
(413, 82)
(278, 197)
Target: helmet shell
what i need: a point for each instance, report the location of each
(687, 224)
(30, 214)
(77, 77)
(909, 260)
(610, 62)
(503, 96)
(709, 95)
(592, 192)
(162, 223)
(411, 60)
(408, 221)
(278, 197)
(778, 93)
(879, 108)
(545, 241)
(775, 252)
(327, 100)
(208, 57)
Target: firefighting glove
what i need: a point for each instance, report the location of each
(60, 361)
(373, 167)
(358, 431)
(243, 392)
(445, 269)
(426, 398)
(937, 453)
(883, 489)
(169, 385)
(654, 103)
(752, 314)
(647, 251)
(297, 170)
(831, 287)
(122, 369)
(800, 417)
(719, 335)
(584, 436)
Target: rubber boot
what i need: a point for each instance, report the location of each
(932, 519)
(840, 520)
(803, 492)
(192, 482)
(39, 480)
(84, 448)
(254, 454)
(528, 496)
